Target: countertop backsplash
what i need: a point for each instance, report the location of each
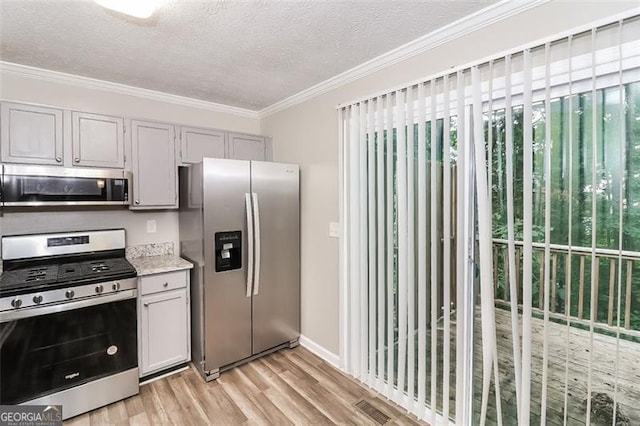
(145, 250)
(153, 249)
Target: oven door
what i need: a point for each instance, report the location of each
(51, 348)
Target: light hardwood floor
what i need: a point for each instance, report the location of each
(289, 387)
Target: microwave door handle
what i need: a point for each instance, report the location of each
(247, 201)
(256, 219)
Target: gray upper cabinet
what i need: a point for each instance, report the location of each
(31, 134)
(153, 165)
(195, 144)
(98, 140)
(246, 147)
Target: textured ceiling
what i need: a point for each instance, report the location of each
(248, 54)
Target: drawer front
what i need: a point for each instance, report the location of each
(163, 282)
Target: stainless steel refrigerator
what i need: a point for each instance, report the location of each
(240, 226)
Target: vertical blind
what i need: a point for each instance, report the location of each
(491, 257)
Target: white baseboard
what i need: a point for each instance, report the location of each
(320, 351)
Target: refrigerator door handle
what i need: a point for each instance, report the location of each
(250, 233)
(256, 219)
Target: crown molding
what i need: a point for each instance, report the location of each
(95, 84)
(496, 12)
(480, 19)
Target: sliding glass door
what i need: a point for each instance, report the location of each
(491, 259)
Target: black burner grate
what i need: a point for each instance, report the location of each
(38, 274)
(45, 277)
(22, 278)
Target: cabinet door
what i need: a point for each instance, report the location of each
(164, 330)
(154, 166)
(197, 144)
(246, 147)
(31, 134)
(98, 140)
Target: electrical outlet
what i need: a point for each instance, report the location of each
(334, 229)
(151, 226)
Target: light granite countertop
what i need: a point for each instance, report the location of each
(148, 265)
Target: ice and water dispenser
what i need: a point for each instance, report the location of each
(228, 250)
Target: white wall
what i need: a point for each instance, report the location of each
(61, 220)
(23, 89)
(307, 134)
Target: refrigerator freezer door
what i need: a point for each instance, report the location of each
(276, 300)
(227, 312)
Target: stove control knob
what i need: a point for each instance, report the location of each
(37, 299)
(16, 303)
(99, 288)
(69, 294)
(116, 286)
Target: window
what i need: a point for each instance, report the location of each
(503, 200)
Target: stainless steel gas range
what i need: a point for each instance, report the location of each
(68, 322)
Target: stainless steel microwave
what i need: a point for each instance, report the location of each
(59, 186)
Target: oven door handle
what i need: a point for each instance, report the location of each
(66, 306)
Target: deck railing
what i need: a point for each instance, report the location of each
(570, 281)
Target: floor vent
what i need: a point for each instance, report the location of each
(371, 411)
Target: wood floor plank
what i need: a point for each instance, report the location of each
(308, 356)
(255, 405)
(291, 387)
(82, 420)
(334, 408)
(117, 412)
(292, 410)
(170, 403)
(188, 402)
(274, 415)
(134, 405)
(237, 377)
(220, 406)
(309, 411)
(202, 392)
(230, 412)
(341, 386)
(139, 419)
(99, 417)
(303, 378)
(274, 363)
(397, 416)
(153, 407)
(255, 378)
(293, 406)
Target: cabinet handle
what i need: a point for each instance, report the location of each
(137, 201)
(59, 159)
(77, 160)
(165, 285)
(146, 304)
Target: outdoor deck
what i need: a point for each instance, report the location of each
(603, 373)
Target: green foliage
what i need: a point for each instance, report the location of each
(584, 203)
(578, 193)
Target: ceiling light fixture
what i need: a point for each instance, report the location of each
(137, 8)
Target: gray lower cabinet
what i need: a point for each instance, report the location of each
(196, 144)
(164, 330)
(31, 134)
(246, 147)
(98, 140)
(153, 165)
